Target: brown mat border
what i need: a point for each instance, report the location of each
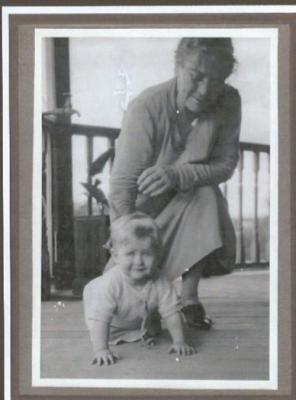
(21, 155)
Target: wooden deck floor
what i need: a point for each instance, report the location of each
(237, 348)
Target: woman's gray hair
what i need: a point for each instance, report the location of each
(220, 48)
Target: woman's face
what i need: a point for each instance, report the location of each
(200, 81)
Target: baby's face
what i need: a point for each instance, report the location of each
(137, 259)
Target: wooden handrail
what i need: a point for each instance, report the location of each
(112, 133)
(80, 129)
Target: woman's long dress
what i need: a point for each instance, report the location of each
(193, 218)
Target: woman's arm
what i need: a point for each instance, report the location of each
(134, 153)
(219, 167)
(224, 156)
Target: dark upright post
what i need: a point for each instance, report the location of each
(89, 178)
(241, 221)
(257, 243)
(64, 269)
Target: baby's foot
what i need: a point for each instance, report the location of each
(148, 341)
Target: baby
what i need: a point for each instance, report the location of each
(119, 305)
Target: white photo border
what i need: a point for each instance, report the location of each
(272, 383)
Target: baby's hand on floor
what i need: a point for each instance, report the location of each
(105, 357)
(182, 349)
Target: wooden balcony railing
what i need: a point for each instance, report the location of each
(257, 151)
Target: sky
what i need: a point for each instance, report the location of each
(103, 68)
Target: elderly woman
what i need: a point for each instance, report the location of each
(178, 142)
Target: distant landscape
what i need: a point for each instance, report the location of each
(248, 234)
(249, 239)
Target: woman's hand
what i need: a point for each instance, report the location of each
(154, 181)
(182, 349)
(105, 357)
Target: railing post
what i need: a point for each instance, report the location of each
(89, 179)
(64, 270)
(241, 229)
(111, 143)
(256, 170)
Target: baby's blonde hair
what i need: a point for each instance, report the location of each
(138, 225)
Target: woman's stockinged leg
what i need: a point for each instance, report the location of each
(190, 282)
(193, 310)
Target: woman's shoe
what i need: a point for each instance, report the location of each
(195, 316)
(153, 325)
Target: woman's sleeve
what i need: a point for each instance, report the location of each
(224, 156)
(133, 154)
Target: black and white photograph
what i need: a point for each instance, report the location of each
(155, 259)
